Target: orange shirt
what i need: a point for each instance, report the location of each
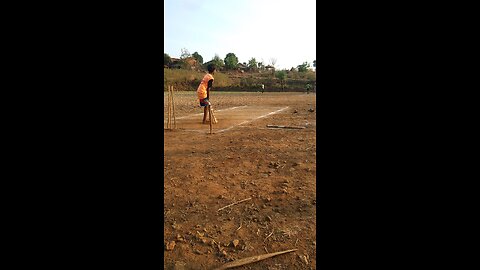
(202, 88)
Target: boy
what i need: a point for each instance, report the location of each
(308, 88)
(203, 91)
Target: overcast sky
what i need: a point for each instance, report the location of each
(263, 29)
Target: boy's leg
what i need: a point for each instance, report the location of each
(205, 114)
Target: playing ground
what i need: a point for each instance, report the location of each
(275, 167)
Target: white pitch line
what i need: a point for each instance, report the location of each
(244, 122)
(231, 108)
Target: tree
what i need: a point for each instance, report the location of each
(185, 54)
(198, 57)
(217, 61)
(281, 75)
(252, 64)
(231, 61)
(261, 66)
(273, 61)
(166, 59)
(303, 67)
(183, 58)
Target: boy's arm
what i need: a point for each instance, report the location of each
(210, 84)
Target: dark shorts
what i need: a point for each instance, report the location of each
(204, 102)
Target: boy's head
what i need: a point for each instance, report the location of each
(211, 68)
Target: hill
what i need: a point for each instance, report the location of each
(188, 80)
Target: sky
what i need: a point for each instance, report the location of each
(263, 29)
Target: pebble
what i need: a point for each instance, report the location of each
(171, 245)
(304, 259)
(179, 266)
(235, 243)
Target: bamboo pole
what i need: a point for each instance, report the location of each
(168, 107)
(210, 115)
(173, 109)
(252, 259)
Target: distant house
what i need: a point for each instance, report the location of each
(242, 67)
(219, 68)
(191, 61)
(175, 63)
(179, 63)
(269, 67)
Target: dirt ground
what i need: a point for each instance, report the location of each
(276, 168)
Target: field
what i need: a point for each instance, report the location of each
(270, 172)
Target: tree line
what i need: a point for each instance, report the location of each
(230, 62)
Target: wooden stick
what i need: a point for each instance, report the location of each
(168, 104)
(210, 115)
(171, 105)
(173, 109)
(252, 259)
(275, 126)
(240, 226)
(268, 236)
(232, 204)
(213, 116)
(168, 107)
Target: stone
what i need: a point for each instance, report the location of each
(235, 243)
(180, 238)
(179, 265)
(171, 245)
